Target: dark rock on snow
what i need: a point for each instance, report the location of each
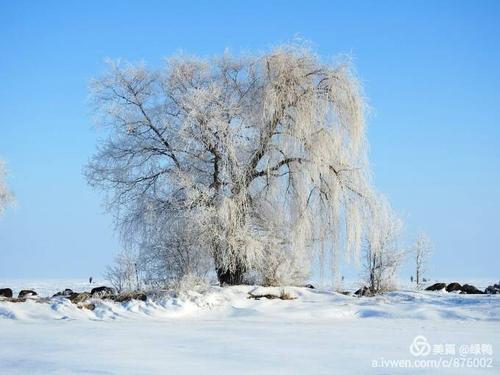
(65, 293)
(88, 306)
(453, 287)
(364, 291)
(493, 289)
(17, 300)
(27, 293)
(360, 291)
(259, 296)
(437, 286)
(309, 286)
(126, 297)
(464, 289)
(6, 292)
(102, 291)
(79, 297)
(470, 289)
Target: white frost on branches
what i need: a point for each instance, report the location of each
(383, 254)
(123, 274)
(422, 251)
(238, 164)
(6, 196)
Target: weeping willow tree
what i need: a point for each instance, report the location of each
(254, 164)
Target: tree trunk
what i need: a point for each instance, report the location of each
(227, 277)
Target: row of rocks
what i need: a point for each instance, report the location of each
(102, 292)
(464, 289)
(23, 294)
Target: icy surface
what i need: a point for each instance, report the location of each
(220, 330)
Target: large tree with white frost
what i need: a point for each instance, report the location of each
(248, 164)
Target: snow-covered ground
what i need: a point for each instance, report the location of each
(220, 330)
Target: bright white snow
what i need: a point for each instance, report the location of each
(221, 331)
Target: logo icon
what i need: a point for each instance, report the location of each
(420, 347)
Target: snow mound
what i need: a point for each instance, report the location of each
(237, 303)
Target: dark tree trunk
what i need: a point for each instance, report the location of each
(227, 277)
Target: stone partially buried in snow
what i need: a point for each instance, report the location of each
(26, 293)
(470, 289)
(363, 292)
(102, 291)
(88, 306)
(493, 289)
(454, 287)
(126, 297)
(79, 297)
(65, 293)
(437, 286)
(6, 292)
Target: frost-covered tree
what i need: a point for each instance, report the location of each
(253, 163)
(422, 251)
(171, 250)
(6, 196)
(123, 274)
(382, 251)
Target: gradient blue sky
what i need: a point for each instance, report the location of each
(431, 71)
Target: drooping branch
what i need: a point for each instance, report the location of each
(253, 162)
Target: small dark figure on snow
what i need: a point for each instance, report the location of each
(411, 278)
(90, 280)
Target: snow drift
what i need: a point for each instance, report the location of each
(234, 303)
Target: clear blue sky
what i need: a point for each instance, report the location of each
(431, 71)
